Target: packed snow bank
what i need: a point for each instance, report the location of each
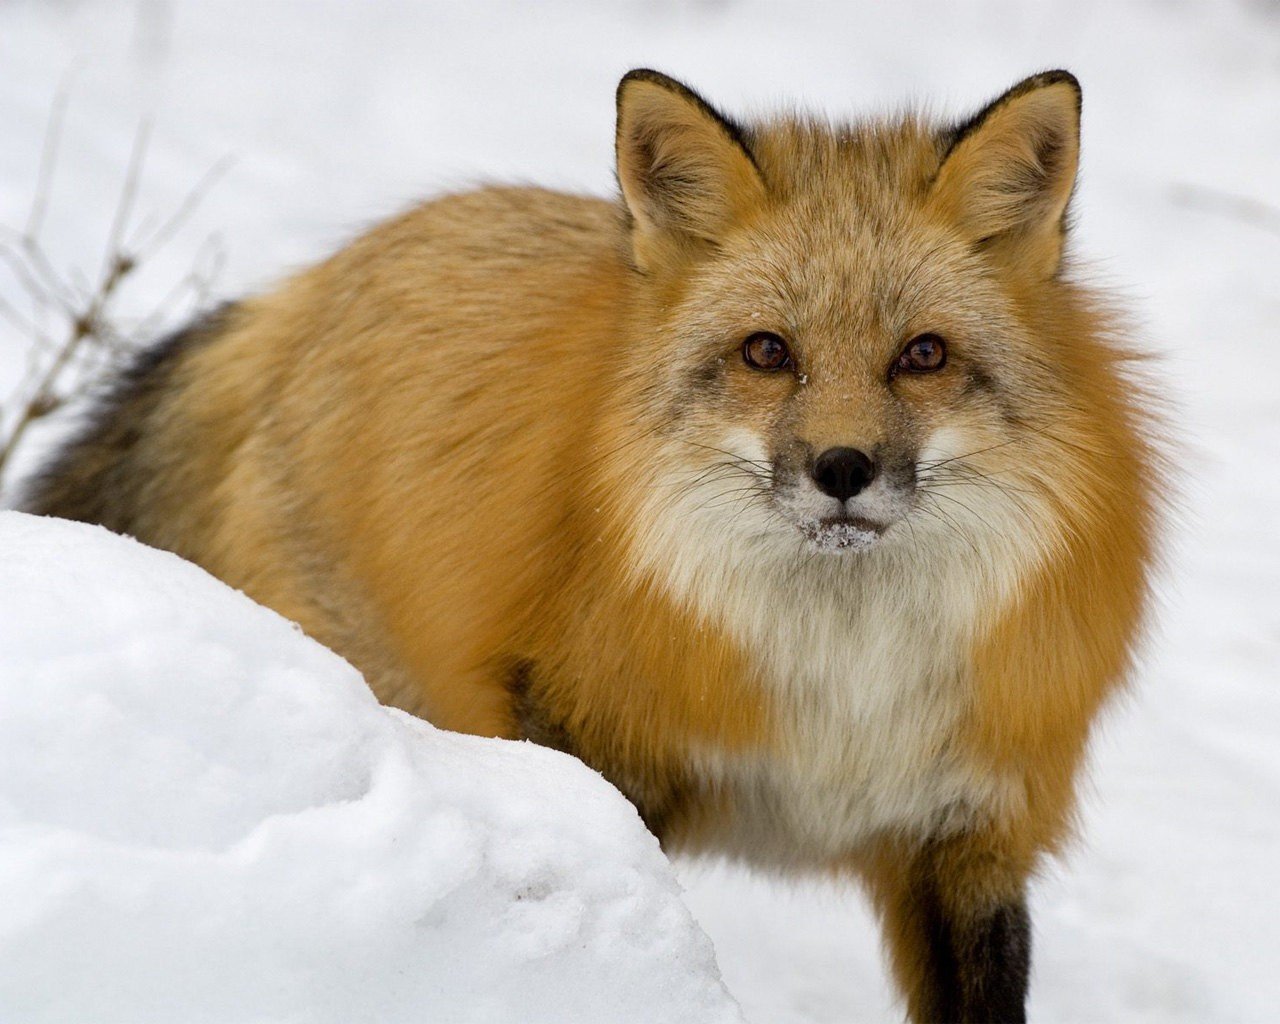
(205, 816)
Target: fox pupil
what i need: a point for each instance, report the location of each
(766, 351)
(926, 353)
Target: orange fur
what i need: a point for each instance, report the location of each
(504, 454)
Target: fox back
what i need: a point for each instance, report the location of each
(803, 491)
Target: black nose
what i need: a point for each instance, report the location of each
(843, 472)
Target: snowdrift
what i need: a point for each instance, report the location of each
(206, 816)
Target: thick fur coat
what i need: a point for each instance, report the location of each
(556, 467)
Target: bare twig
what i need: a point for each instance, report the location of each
(161, 236)
(92, 341)
(46, 291)
(197, 285)
(49, 154)
(115, 252)
(21, 323)
(42, 400)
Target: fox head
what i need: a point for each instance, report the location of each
(855, 337)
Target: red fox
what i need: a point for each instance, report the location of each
(802, 491)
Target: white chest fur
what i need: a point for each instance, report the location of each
(866, 654)
(870, 693)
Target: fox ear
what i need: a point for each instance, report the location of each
(685, 171)
(1010, 170)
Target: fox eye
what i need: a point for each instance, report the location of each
(923, 354)
(765, 351)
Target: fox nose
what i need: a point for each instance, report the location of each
(843, 472)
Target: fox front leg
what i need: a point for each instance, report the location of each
(957, 929)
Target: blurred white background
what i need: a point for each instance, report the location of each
(337, 114)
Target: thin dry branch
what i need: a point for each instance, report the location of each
(49, 153)
(168, 228)
(92, 342)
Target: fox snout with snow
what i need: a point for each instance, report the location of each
(801, 490)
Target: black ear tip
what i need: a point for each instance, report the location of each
(1034, 83)
(640, 75)
(1059, 76)
(647, 75)
(666, 83)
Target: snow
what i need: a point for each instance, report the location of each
(847, 537)
(206, 816)
(339, 113)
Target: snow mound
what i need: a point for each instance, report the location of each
(206, 816)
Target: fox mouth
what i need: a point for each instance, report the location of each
(842, 533)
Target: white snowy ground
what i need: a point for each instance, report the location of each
(339, 113)
(205, 816)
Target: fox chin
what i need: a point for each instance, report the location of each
(802, 489)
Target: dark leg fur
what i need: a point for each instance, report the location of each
(957, 928)
(979, 965)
